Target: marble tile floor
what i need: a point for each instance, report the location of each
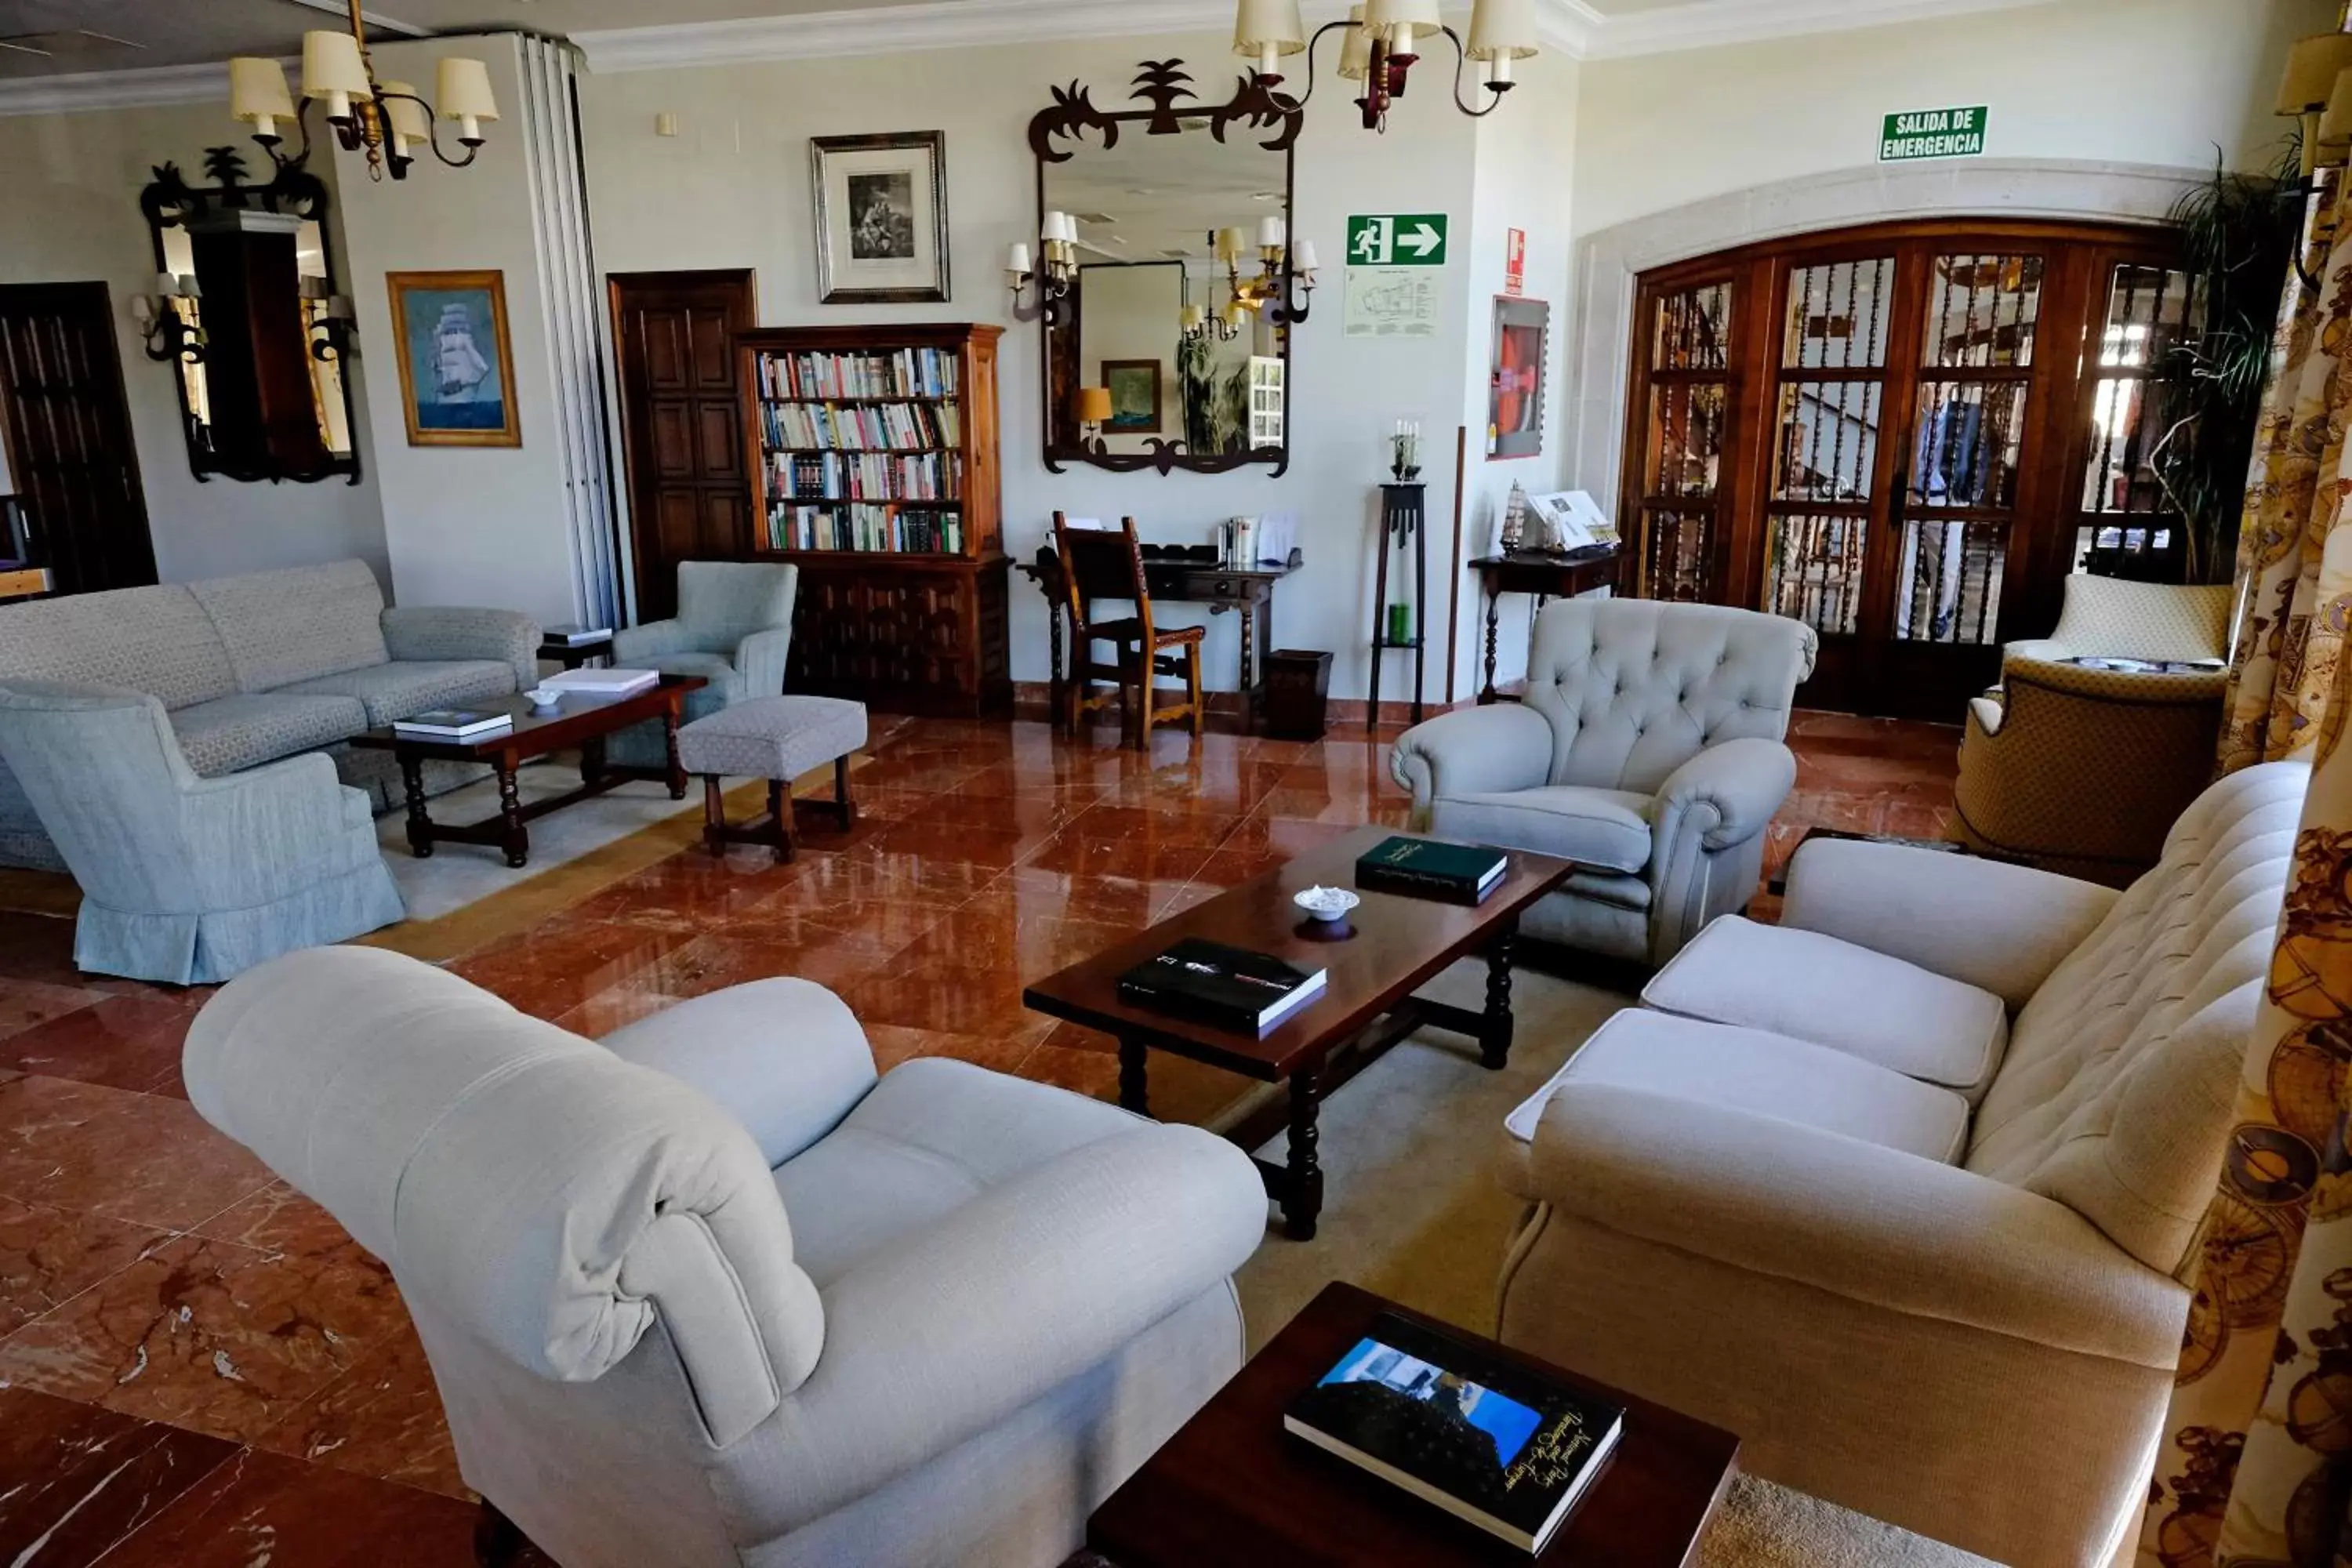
(198, 1366)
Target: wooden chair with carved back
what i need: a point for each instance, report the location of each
(1098, 563)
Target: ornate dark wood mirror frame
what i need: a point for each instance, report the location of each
(253, 332)
(1055, 136)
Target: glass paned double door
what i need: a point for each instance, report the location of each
(1908, 438)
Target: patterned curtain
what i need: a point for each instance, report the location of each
(2255, 1466)
(2294, 563)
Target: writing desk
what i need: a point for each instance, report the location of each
(1547, 577)
(1246, 591)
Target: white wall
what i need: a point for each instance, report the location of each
(2126, 81)
(732, 190)
(467, 525)
(69, 187)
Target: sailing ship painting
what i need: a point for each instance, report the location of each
(457, 369)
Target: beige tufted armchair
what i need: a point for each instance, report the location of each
(1648, 751)
(2082, 769)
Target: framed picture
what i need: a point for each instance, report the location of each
(456, 367)
(1515, 403)
(881, 218)
(1134, 394)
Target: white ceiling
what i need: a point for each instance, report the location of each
(64, 37)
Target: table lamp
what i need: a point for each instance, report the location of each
(1093, 409)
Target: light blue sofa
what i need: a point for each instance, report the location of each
(253, 669)
(184, 880)
(733, 627)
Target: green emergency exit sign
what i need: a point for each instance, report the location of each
(1933, 133)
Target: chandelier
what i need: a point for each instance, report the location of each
(1278, 258)
(1383, 45)
(385, 119)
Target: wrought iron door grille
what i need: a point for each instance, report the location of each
(1687, 417)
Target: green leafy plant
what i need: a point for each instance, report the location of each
(2238, 234)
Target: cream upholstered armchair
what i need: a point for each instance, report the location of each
(709, 1293)
(2080, 768)
(1905, 1189)
(733, 627)
(1648, 750)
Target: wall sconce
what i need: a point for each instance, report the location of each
(169, 332)
(1092, 410)
(1058, 247)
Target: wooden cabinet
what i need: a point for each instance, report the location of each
(876, 472)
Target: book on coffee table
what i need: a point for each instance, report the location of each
(452, 723)
(604, 682)
(572, 636)
(1431, 868)
(1227, 987)
(1485, 1440)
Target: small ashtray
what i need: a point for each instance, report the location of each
(545, 699)
(1327, 904)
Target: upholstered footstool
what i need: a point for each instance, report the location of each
(777, 739)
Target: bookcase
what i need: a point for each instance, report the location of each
(875, 470)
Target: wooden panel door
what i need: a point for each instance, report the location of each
(681, 423)
(68, 436)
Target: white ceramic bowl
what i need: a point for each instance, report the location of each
(1326, 904)
(544, 698)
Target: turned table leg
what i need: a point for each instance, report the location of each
(420, 826)
(670, 716)
(1134, 1091)
(513, 836)
(1302, 1196)
(1495, 1031)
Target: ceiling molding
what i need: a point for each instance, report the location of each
(1708, 24)
(149, 87)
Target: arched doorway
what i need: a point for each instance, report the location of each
(1906, 436)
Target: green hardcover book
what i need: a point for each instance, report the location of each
(1431, 868)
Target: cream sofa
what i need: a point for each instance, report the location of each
(709, 1293)
(261, 667)
(1904, 1190)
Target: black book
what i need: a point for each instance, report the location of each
(1431, 868)
(1226, 987)
(1450, 1422)
(451, 723)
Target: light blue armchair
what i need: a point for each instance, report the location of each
(1648, 751)
(185, 879)
(733, 627)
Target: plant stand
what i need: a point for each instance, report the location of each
(1401, 529)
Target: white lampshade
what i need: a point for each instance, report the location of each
(1191, 318)
(1502, 29)
(408, 116)
(331, 63)
(167, 284)
(1302, 256)
(1229, 244)
(1271, 234)
(1016, 258)
(257, 89)
(462, 87)
(1261, 24)
(2312, 67)
(1355, 46)
(1385, 17)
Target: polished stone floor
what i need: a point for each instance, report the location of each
(199, 1367)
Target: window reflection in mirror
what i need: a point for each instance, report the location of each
(1169, 309)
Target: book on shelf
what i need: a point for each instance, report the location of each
(452, 723)
(574, 636)
(605, 682)
(865, 475)
(864, 526)
(862, 427)
(1431, 868)
(890, 373)
(1446, 1419)
(1225, 987)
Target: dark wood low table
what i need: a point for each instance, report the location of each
(1367, 1003)
(581, 721)
(1233, 1488)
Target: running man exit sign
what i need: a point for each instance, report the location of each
(1933, 133)
(1396, 239)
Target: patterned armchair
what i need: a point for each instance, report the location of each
(733, 627)
(2083, 769)
(189, 880)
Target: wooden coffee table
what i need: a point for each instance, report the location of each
(581, 721)
(1368, 1004)
(1233, 1488)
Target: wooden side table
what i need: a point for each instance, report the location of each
(1234, 1488)
(573, 655)
(1545, 576)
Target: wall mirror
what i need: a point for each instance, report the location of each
(246, 312)
(1166, 281)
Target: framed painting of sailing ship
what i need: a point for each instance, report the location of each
(457, 368)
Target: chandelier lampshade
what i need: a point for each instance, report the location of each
(1356, 47)
(410, 121)
(332, 70)
(1268, 28)
(2335, 139)
(463, 94)
(258, 92)
(2312, 67)
(1401, 21)
(1503, 30)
